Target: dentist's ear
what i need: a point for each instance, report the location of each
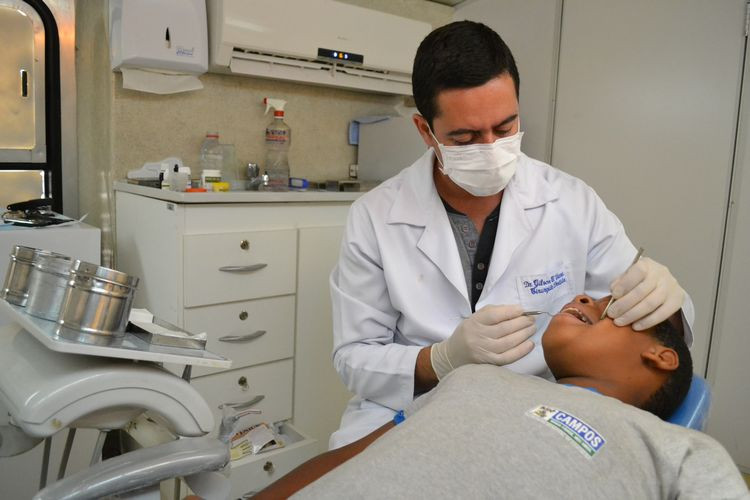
(424, 130)
(661, 357)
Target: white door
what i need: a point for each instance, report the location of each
(17, 66)
(647, 95)
(728, 367)
(319, 394)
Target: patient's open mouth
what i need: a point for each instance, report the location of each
(578, 314)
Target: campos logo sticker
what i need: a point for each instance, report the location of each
(581, 434)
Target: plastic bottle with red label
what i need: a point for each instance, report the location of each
(278, 142)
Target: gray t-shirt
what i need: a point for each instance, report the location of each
(487, 432)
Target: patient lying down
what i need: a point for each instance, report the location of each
(487, 432)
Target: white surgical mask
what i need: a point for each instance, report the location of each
(481, 169)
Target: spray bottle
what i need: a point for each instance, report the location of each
(278, 141)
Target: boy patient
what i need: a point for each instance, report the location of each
(487, 432)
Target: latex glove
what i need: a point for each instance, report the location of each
(645, 295)
(495, 334)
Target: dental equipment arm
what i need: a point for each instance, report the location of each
(141, 468)
(190, 458)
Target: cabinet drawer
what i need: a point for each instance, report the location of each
(229, 267)
(248, 333)
(269, 386)
(251, 474)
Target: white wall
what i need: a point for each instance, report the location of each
(646, 112)
(728, 367)
(531, 28)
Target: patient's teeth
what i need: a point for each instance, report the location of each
(578, 314)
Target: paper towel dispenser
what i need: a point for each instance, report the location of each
(163, 35)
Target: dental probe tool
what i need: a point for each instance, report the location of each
(612, 299)
(534, 313)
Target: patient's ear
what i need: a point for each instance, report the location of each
(661, 357)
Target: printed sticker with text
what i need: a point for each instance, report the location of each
(581, 434)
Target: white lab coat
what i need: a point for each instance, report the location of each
(399, 284)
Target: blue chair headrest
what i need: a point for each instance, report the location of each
(693, 411)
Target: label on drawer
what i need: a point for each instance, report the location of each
(255, 472)
(256, 439)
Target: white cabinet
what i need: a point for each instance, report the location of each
(251, 270)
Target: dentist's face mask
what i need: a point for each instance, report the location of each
(481, 169)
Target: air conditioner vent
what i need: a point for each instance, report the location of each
(275, 57)
(253, 39)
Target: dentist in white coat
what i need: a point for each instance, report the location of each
(438, 263)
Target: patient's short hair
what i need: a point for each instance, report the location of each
(667, 399)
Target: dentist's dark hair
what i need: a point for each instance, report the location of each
(459, 55)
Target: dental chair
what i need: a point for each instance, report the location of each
(693, 411)
(45, 392)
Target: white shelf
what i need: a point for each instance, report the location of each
(130, 347)
(239, 196)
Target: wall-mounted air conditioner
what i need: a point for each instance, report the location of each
(323, 42)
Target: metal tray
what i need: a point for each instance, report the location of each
(158, 333)
(128, 347)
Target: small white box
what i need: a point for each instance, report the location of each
(387, 147)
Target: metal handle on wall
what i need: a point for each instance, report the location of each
(242, 338)
(24, 83)
(242, 269)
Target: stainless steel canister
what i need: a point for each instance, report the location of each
(48, 283)
(16, 287)
(97, 304)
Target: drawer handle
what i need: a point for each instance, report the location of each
(238, 339)
(242, 269)
(239, 406)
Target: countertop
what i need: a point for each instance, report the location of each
(237, 196)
